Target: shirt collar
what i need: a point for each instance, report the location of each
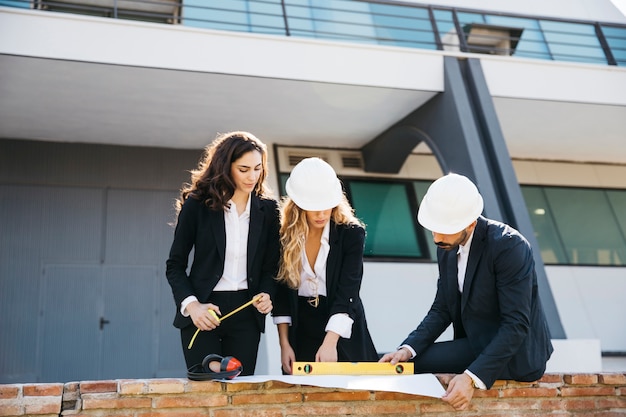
(231, 207)
(464, 249)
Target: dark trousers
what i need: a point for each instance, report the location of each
(311, 329)
(238, 335)
(450, 357)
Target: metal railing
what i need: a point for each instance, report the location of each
(375, 22)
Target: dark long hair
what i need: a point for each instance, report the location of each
(211, 181)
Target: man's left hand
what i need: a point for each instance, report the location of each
(460, 391)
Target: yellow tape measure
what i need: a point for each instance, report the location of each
(352, 368)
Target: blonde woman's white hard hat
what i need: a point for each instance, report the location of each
(313, 185)
(450, 205)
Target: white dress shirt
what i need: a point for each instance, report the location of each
(313, 283)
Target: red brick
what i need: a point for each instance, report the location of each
(9, 391)
(89, 387)
(11, 409)
(586, 391)
(381, 408)
(240, 399)
(168, 413)
(612, 379)
(204, 386)
(43, 405)
(581, 379)
(109, 403)
(337, 396)
(319, 410)
(551, 378)
(42, 390)
(486, 393)
(240, 386)
(396, 396)
(166, 386)
(436, 407)
(530, 392)
(247, 412)
(612, 402)
(568, 404)
(132, 387)
(189, 401)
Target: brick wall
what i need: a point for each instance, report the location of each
(553, 395)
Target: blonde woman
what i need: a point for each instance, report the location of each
(317, 309)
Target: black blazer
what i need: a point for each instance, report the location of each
(204, 230)
(344, 272)
(501, 311)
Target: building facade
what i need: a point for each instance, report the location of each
(106, 106)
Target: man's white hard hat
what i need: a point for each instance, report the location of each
(313, 185)
(450, 205)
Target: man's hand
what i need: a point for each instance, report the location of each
(400, 355)
(460, 391)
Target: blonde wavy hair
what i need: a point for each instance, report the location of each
(293, 232)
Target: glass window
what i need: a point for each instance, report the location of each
(617, 199)
(420, 188)
(575, 42)
(445, 27)
(390, 221)
(22, 4)
(403, 26)
(616, 38)
(542, 218)
(235, 15)
(330, 19)
(587, 225)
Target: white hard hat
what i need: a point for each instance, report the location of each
(313, 185)
(450, 205)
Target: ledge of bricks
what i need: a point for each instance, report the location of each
(553, 395)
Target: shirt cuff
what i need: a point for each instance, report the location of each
(185, 303)
(477, 382)
(410, 350)
(341, 324)
(282, 319)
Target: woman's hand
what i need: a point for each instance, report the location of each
(263, 303)
(328, 351)
(287, 358)
(202, 317)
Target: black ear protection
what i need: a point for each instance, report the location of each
(230, 367)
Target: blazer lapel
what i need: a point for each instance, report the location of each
(219, 231)
(452, 279)
(333, 258)
(254, 231)
(476, 251)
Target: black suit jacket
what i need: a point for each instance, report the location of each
(501, 311)
(344, 273)
(203, 230)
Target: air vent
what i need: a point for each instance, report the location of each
(352, 161)
(294, 158)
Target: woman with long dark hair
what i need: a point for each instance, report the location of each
(227, 217)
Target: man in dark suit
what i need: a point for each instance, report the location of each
(487, 290)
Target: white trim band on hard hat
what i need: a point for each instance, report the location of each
(450, 205)
(313, 185)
